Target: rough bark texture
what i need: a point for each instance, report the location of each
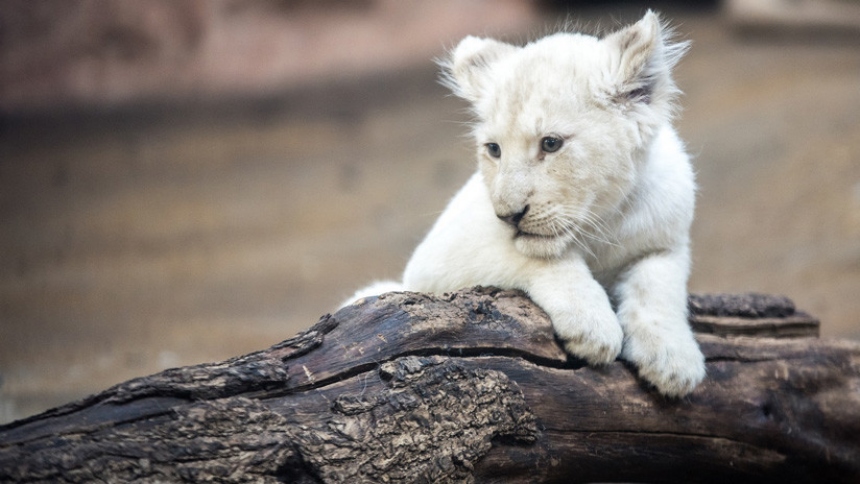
(470, 387)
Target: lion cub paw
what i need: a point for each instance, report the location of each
(595, 337)
(674, 365)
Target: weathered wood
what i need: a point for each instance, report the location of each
(750, 315)
(470, 387)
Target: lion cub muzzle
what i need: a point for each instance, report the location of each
(514, 219)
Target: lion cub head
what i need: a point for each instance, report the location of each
(564, 124)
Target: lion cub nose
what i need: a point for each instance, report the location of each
(514, 218)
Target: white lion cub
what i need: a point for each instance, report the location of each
(583, 198)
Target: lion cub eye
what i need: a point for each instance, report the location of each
(550, 144)
(494, 150)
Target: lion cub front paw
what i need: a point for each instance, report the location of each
(594, 336)
(675, 365)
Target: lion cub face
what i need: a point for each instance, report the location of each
(562, 124)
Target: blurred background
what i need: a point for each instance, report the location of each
(183, 181)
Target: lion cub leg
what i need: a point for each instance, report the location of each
(579, 309)
(652, 309)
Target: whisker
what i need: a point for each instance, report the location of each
(595, 229)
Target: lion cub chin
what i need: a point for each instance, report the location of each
(583, 196)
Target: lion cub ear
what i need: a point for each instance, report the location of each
(466, 71)
(643, 59)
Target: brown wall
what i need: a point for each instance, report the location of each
(103, 53)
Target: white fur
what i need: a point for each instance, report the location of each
(603, 246)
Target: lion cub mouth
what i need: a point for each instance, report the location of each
(529, 235)
(540, 245)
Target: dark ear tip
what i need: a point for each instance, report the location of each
(642, 95)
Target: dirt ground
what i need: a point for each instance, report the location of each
(136, 241)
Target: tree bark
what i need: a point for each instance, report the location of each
(469, 387)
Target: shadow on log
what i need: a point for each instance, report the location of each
(469, 387)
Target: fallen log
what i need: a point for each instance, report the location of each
(469, 387)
